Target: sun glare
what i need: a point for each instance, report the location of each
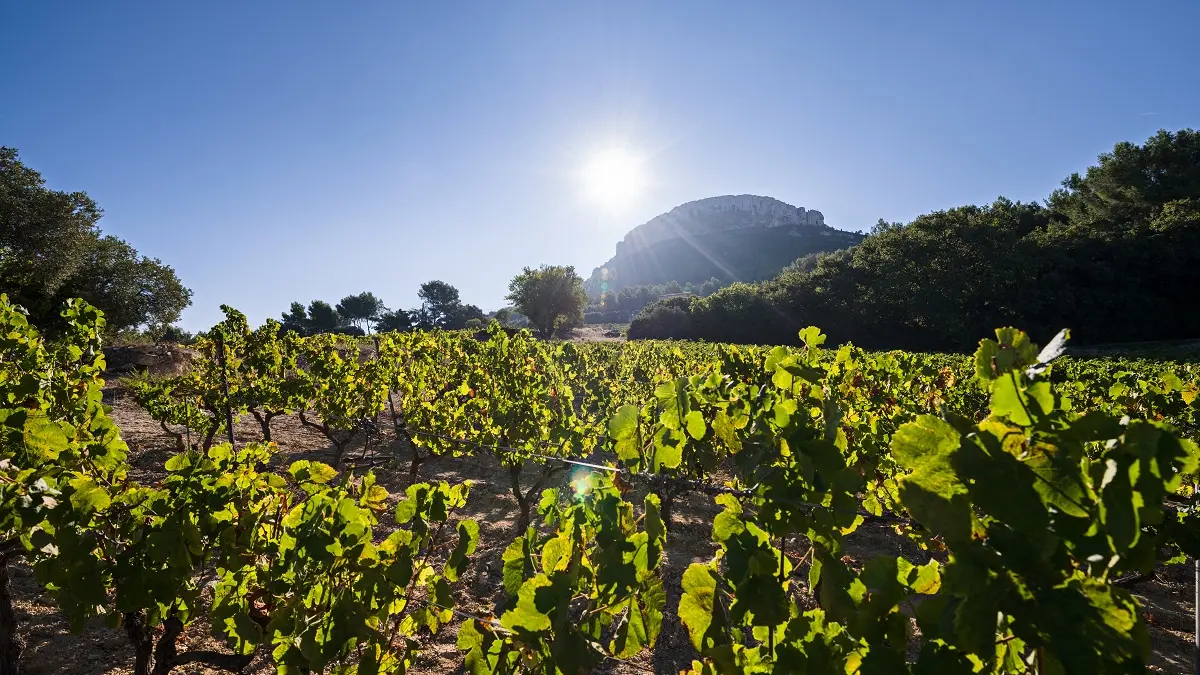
(613, 178)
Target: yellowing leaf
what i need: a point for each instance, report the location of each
(696, 605)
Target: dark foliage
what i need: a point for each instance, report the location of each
(51, 249)
(750, 254)
(1114, 256)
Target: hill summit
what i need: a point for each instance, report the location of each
(733, 238)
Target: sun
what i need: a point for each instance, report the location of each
(613, 178)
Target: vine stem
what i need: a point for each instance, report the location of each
(11, 644)
(225, 390)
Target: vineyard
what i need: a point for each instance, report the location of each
(1022, 495)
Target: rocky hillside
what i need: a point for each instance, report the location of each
(734, 238)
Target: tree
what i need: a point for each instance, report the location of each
(295, 319)
(51, 249)
(439, 303)
(132, 290)
(463, 316)
(711, 286)
(361, 309)
(1132, 182)
(552, 296)
(422, 320)
(177, 335)
(509, 317)
(322, 318)
(395, 320)
(43, 232)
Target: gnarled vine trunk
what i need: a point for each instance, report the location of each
(151, 658)
(11, 644)
(525, 498)
(264, 422)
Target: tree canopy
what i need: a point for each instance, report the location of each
(51, 249)
(358, 314)
(395, 320)
(439, 303)
(361, 309)
(323, 318)
(295, 319)
(552, 296)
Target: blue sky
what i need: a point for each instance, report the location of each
(279, 151)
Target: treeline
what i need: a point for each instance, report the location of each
(548, 299)
(621, 306)
(1114, 255)
(363, 313)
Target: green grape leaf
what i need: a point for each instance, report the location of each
(668, 449)
(468, 539)
(1007, 401)
(812, 337)
(632, 635)
(43, 436)
(1119, 506)
(526, 616)
(1000, 484)
(179, 462)
(673, 403)
(932, 493)
(516, 565)
(469, 637)
(695, 424)
(928, 578)
(1010, 351)
(623, 427)
(555, 551)
(654, 526)
(1095, 425)
(696, 604)
(305, 471)
(1060, 483)
(87, 496)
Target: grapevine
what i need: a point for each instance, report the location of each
(1035, 486)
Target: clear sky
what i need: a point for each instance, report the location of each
(280, 151)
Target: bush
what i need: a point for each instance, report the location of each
(612, 316)
(660, 322)
(177, 335)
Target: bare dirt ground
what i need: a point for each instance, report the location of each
(52, 649)
(596, 333)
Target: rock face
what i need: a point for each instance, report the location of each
(733, 238)
(154, 359)
(718, 214)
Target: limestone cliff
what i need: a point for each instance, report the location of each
(734, 238)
